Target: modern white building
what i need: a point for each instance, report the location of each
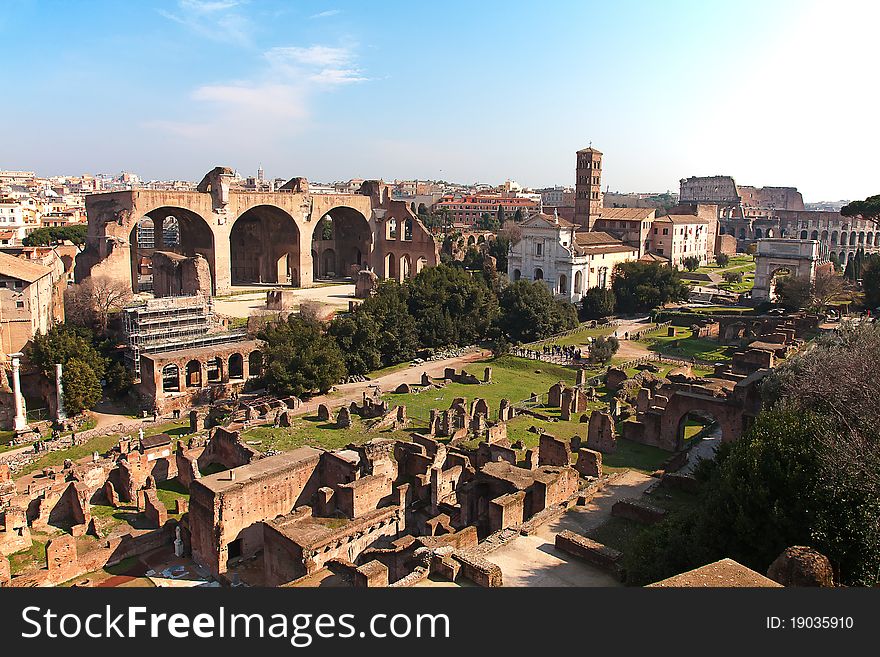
(569, 261)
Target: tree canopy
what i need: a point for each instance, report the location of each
(75, 233)
(450, 306)
(868, 209)
(300, 357)
(640, 286)
(530, 312)
(598, 303)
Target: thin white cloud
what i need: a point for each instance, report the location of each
(276, 100)
(326, 14)
(218, 20)
(323, 65)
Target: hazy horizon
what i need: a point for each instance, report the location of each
(771, 93)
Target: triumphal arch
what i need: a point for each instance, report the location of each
(798, 258)
(223, 237)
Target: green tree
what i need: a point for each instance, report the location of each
(691, 263)
(61, 344)
(517, 216)
(529, 312)
(793, 292)
(82, 388)
(722, 259)
(806, 473)
(300, 357)
(51, 235)
(450, 306)
(488, 222)
(499, 216)
(598, 303)
(640, 286)
(603, 348)
(358, 337)
(733, 276)
(868, 209)
(871, 280)
(398, 339)
(499, 248)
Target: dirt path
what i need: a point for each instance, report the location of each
(535, 561)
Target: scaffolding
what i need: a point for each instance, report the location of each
(169, 324)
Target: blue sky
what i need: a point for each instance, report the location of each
(773, 92)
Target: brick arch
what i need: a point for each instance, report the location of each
(729, 417)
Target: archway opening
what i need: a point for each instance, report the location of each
(193, 374)
(255, 364)
(775, 276)
(700, 431)
(539, 274)
(264, 247)
(563, 284)
(215, 370)
(236, 366)
(341, 242)
(170, 378)
(391, 266)
(170, 229)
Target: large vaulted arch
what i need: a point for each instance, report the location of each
(264, 246)
(341, 240)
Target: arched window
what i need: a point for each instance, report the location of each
(255, 364)
(833, 238)
(563, 284)
(814, 235)
(193, 374)
(171, 378)
(758, 234)
(803, 234)
(539, 274)
(236, 366)
(517, 274)
(852, 238)
(578, 283)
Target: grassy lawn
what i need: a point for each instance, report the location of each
(6, 441)
(741, 262)
(580, 336)
(685, 345)
(310, 431)
(382, 371)
(512, 378)
(99, 444)
(21, 561)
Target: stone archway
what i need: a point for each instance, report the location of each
(341, 240)
(175, 230)
(799, 257)
(264, 246)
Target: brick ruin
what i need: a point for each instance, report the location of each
(229, 237)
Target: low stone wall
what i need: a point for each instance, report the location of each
(638, 511)
(480, 571)
(116, 550)
(591, 551)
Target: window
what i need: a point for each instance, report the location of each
(539, 248)
(19, 304)
(666, 231)
(660, 251)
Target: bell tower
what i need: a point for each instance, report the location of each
(588, 187)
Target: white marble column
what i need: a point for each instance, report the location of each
(60, 416)
(20, 413)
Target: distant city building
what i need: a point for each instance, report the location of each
(468, 209)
